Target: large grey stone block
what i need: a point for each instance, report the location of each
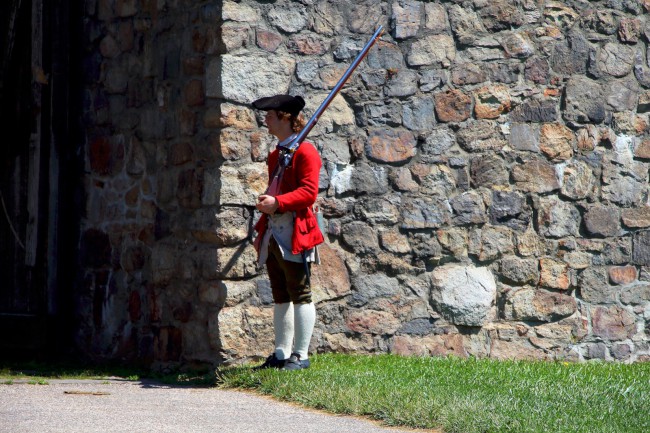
(247, 78)
(464, 295)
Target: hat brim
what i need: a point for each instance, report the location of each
(287, 103)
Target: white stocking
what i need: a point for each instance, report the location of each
(283, 326)
(305, 319)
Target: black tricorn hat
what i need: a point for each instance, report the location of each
(287, 103)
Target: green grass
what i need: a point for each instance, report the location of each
(466, 396)
(455, 395)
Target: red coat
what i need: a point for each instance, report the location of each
(298, 193)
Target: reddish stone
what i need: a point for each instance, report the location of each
(106, 156)
(233, 36)
(168, 344)
(613, 323)
(213, 43)
(451, 344)
(554, 274)
(535, 176)
(643, 150)
(556, 141)
(402, 179)
(491, 102)
(420, 171)
(199, 41)
(356, 144)
(332, 207)
(194, 66)
(553, 305)
(307, 45)
(194, 94)
(551, 92)
(636, 217)
(394, 242)
(330, 278)
(467, 73)
(406, 345)
(332, 74)
(135, 306)
(268, 41)
(622, 274)
(640, 124)
(453, 106)
(234, 116)
(629, 30)
(180, 153)
(374, 322)
(190, 188)
(515, 349)
(154, 303)
(233, 144)
(588, 138)
(389, 145)
(259, 148)
(536, 70)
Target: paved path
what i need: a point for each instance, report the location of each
(95, 406)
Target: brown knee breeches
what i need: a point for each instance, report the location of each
(288, 279)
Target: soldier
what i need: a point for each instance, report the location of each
(288, 231)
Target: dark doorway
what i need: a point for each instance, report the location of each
(39, 174)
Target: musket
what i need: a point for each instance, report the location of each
(287, 150)
(300, 137)
(293, 145)
(314, 118)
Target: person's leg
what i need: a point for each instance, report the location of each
(283, 317)
(283, 324)
(305, 319)
(304, 312)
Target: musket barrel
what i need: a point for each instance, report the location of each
(314, 118)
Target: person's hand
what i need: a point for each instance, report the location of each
(267, 204)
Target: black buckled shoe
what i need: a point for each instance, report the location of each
(295, 363)
(271, 362)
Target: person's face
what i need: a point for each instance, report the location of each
(274, 124)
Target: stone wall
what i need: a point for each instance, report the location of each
(485, 178)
